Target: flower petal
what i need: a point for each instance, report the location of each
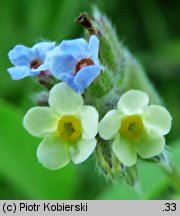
(62, 64)
(150, 144)
(86, 76)
(82, 150)
(40, 49)
(40, 121)
(69, 79)
(133, 102)
(125, 151)
(64, 100)
(109, 125)
(93, 48)
(157, 118)
(19, 72)
(76, 47)
(37, 70)
(52, 153)
(50, 55)
(89, 120)
(21, 55)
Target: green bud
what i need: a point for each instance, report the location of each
(131, 175)
(106, 162)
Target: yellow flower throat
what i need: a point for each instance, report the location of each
(69, 128)
(131, 126)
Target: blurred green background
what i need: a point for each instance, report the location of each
(150, 29)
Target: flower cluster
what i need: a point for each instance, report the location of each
(73, 61)
(128, 127)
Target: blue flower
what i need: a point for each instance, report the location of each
(76, 62)
(29, 61)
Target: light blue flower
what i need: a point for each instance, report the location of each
(29, 61)
(76, 62)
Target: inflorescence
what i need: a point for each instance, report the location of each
(120, 126)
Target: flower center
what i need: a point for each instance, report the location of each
(131, 126)
(35, 63)
(69, 128)
(83, 63)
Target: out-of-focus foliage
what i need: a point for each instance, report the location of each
(151, 31)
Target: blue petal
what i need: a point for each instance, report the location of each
(78, 48)
(42, 67)
(40, 49)
(69, 79)
(93, 48)
(62, 64)
(21, 55)
(86, 76)
(50, 55)
(19, 72)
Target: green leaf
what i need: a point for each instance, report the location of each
(175, 149)
(175, 161)
(153, 180)
(122, 191)
(18, 162)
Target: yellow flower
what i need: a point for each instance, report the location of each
(135, 127)
(67, 126)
